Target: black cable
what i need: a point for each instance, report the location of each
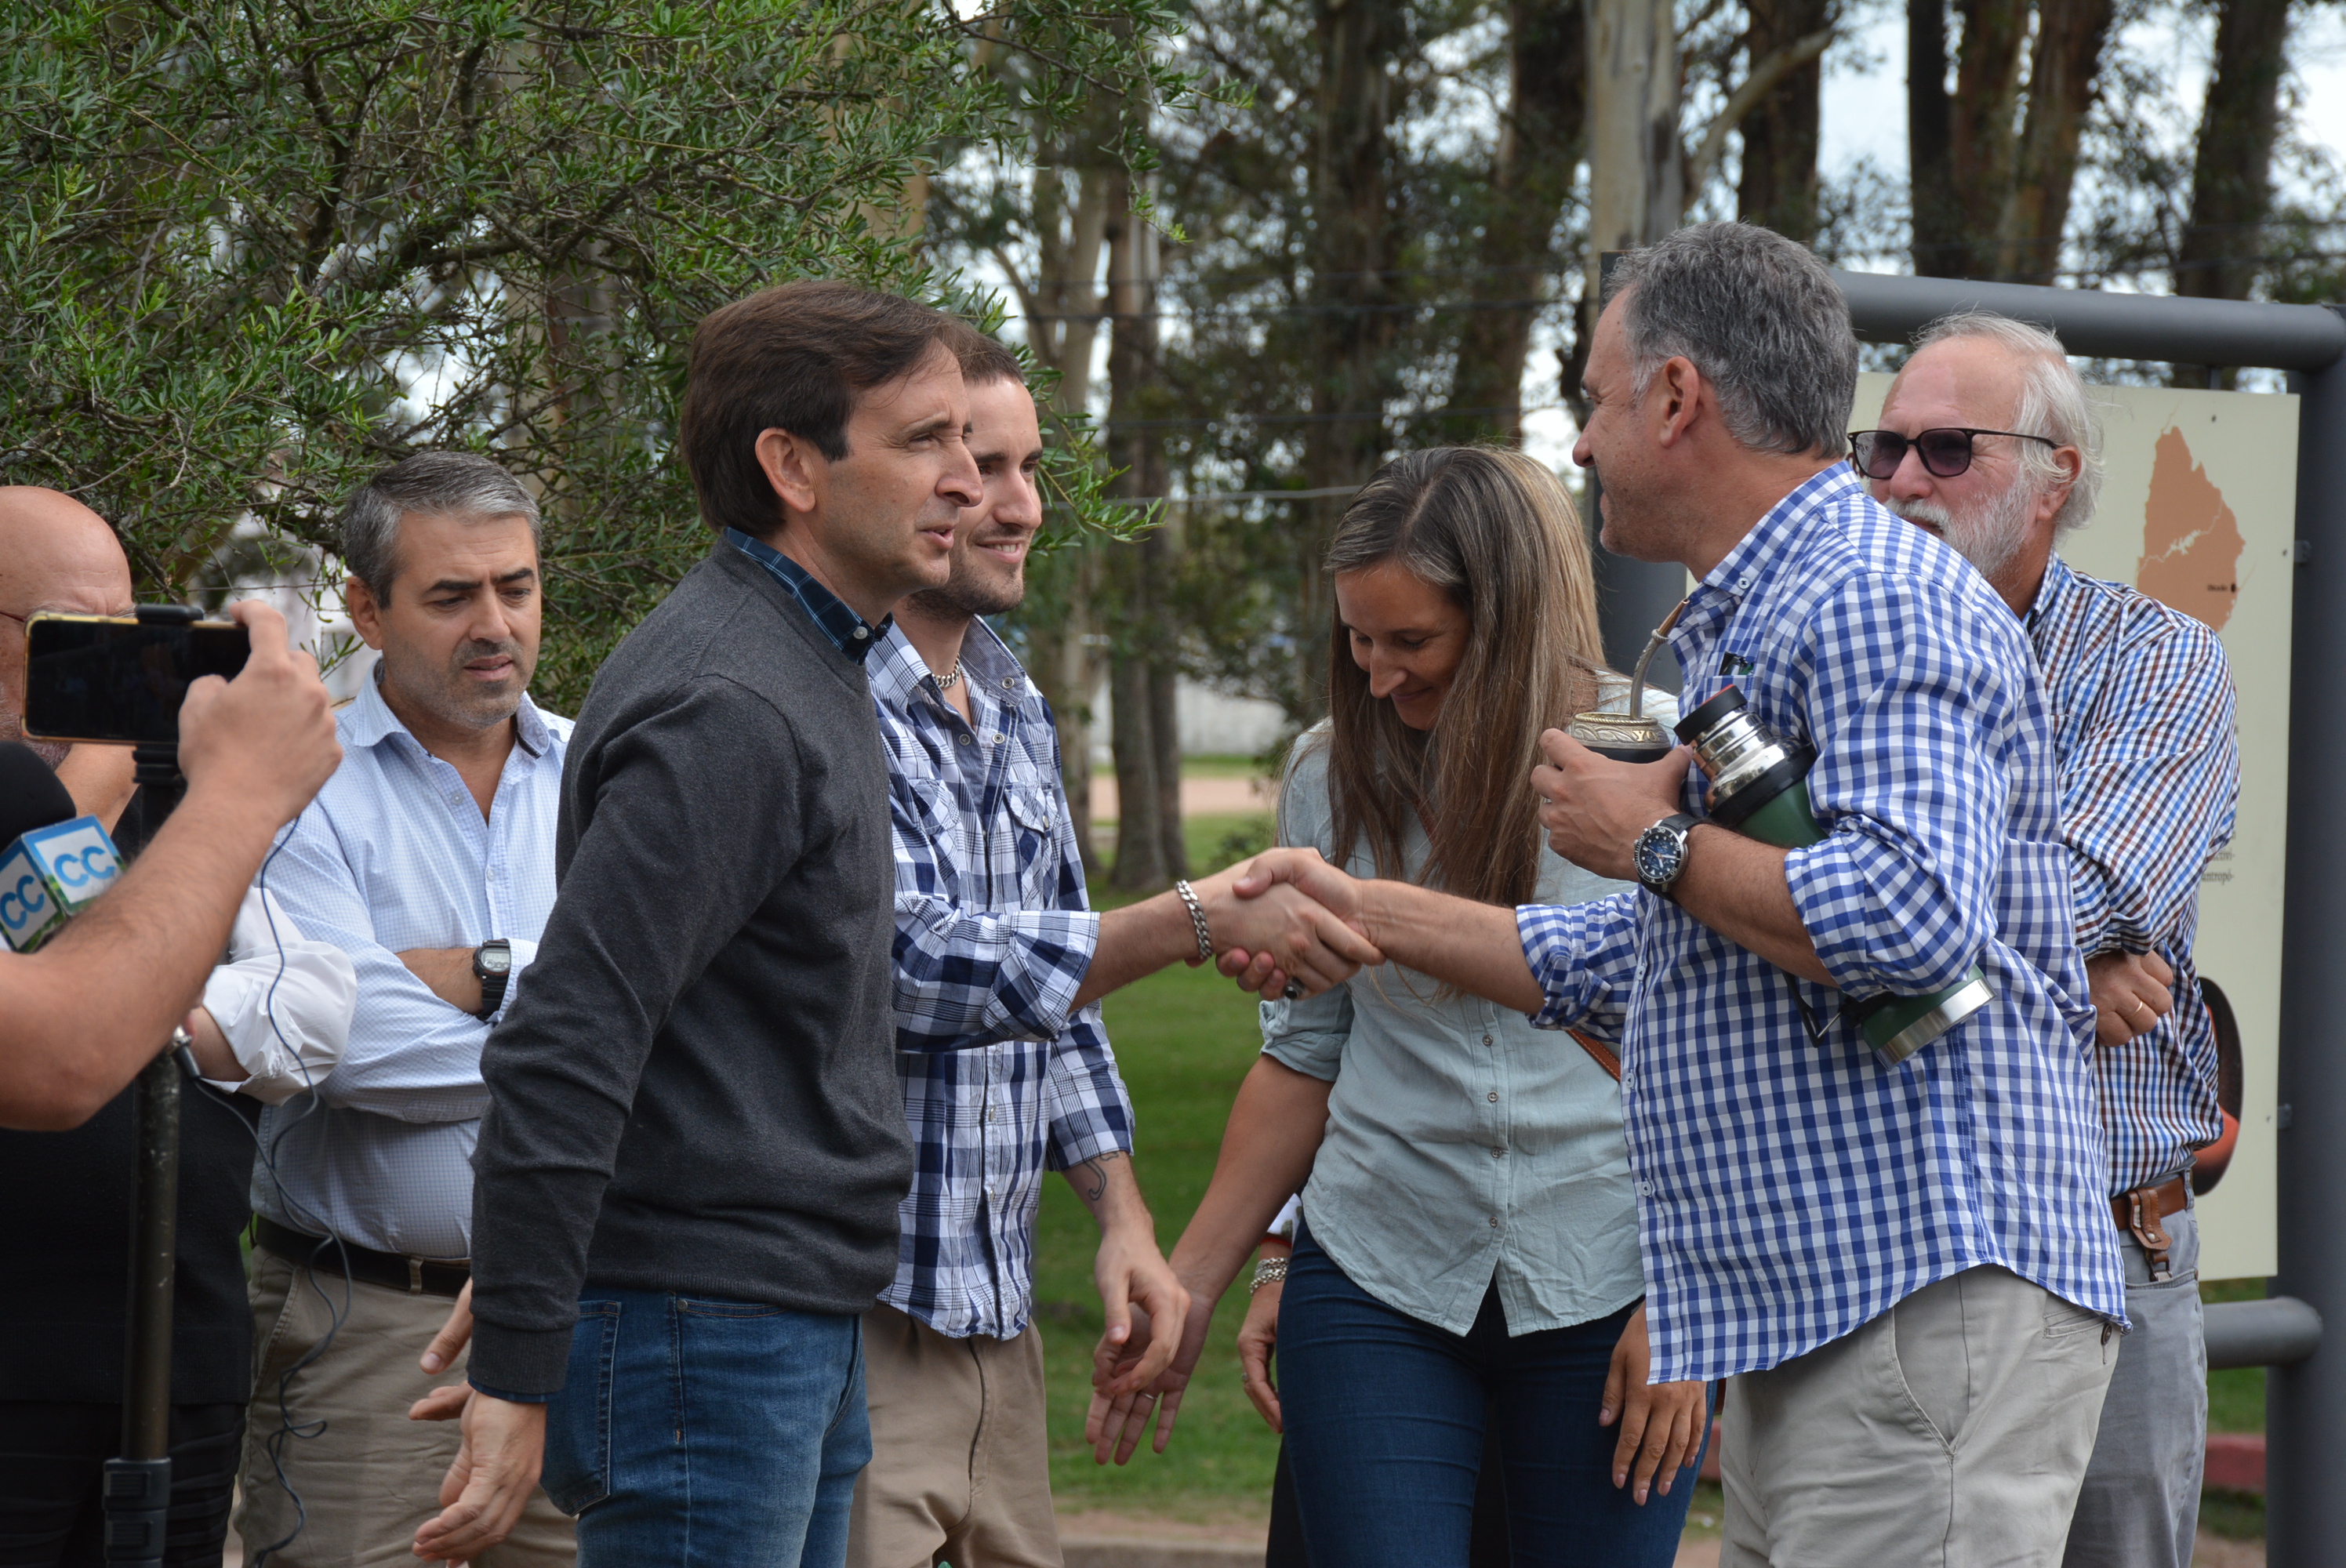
(265, 1152)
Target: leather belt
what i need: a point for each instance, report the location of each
(391, 1270)
(2138, 1213)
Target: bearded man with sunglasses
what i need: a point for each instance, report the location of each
(1988, 440)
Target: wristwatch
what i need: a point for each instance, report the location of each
(1659, 854)
(492, 967)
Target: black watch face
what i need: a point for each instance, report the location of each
(1657, 853)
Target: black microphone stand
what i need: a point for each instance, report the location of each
(135, 1493)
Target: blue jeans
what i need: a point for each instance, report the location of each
(1385, 1419)
(708, 1434)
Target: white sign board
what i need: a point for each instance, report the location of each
(2199, 512)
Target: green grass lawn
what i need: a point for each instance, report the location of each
(1183, 1038)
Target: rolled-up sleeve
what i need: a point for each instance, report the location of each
(1915, 735)
(282, 1001)
(1309, 1034)
(1585, 957)
(1085, 1104)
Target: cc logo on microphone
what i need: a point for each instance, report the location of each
(92, 865)
(28, 900)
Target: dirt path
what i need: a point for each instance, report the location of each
(1200, 796)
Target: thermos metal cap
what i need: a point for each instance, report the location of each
(1694, 724)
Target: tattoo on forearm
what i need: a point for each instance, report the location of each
(1091, 1176)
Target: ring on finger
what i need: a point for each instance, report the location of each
(1294, 991)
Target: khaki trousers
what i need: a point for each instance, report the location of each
(961, 1464)
(366, 1475)
(1952, 1431)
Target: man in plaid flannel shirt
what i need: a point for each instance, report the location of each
(1004, 1066)
(2142, 711)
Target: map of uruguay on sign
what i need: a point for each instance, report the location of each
(2199, 512)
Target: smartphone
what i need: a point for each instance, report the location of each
(119, 680)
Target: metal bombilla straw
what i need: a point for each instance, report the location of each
(1630, 737)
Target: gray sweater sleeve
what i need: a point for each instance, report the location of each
(686, 822)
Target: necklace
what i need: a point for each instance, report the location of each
(951, 678)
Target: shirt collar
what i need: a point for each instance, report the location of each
(897, 671)
(1778, 536)
(2058, 581)
(849, 633)
(371, 720)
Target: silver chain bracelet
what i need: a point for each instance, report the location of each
(1196, 921)
(1267, 1271)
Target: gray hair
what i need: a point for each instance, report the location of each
(1760, 317)
(461, 485)
(2054, 403)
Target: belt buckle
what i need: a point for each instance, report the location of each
(415, 1277)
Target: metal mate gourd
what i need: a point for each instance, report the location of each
(1759, 787)
(1628, 737)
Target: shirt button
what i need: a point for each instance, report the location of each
(860, 634)
(1492, 1096)
(965, 740)
(1486, 1040)
(1010, 683)
(1645, 1189)
(1494, 1222)
(1498, 1154)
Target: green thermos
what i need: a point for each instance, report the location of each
(1759, 787)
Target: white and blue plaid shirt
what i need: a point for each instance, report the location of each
(1004, 1077)
(1791, 1191)
(2150, 775)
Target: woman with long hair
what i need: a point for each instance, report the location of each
(1468, 1247)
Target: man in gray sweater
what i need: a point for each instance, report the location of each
(695, 1107)
(686, 1183)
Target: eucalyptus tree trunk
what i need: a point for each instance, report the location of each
(1982, 142)
(1636, 172)
(2231, 180)
(1143, 669)
(1063, 307)
(1540, 141)
(1354, 243)
(1938, 244)
(2064, 70)
(1778, 186)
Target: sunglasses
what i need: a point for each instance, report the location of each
(1945, 452)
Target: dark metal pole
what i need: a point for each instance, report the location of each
(2305, 1464)
(138, 1486)
(135, 1493)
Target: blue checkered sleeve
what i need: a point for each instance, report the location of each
(1585, 957)
(1084, 1099)
(1900, 897)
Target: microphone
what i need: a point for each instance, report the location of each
(56, 864)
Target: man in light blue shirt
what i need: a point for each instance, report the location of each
(428, 859)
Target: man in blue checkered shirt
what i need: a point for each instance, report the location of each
(1004, 1066)
(1907, 1271)
(1988, 440)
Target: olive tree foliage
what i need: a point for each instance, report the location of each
(251, 250)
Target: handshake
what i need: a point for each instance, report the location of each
(1286, 924)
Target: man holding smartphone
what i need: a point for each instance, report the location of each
(82, 1015)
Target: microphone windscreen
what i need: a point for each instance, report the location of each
(31, 796)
